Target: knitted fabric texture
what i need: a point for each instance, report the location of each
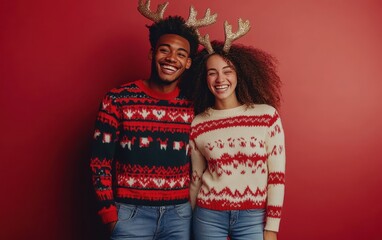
(243, 154)
(140, 151)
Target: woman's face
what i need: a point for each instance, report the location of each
(222, 81)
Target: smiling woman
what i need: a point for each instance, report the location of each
(222, 81)
(237, 145)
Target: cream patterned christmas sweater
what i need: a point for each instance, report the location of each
(238, 161)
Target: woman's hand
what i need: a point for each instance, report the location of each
(269, 235)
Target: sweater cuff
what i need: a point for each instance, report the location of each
(109, 215)
(272, 224)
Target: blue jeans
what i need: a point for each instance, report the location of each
(152, 222)
(238, 224)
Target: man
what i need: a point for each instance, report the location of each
(140, 157)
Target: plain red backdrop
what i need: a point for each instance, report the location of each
(58, 58)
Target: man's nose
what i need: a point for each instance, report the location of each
(171, 57)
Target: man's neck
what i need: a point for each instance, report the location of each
(163, 88)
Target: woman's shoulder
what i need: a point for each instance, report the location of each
(201, 117)
(262, 109)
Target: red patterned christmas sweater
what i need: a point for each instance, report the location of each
(238, 161)
(140, 152)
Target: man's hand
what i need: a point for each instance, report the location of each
(269, 235)
(111, 226)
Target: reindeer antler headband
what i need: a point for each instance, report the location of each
(244, 27)
(230, 37)
(144, 9)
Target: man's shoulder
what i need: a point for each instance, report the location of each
(131, 86)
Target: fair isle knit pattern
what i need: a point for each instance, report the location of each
(141, 149)
(243, 154)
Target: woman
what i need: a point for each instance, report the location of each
(237, 145)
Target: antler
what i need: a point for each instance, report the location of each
(207, 20)
(230, 37)
(205, 41)
(144, 9)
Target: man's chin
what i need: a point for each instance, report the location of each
(166, 81)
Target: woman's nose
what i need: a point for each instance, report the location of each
(219, 78)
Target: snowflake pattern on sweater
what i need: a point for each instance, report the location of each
(140, 151)
(238, 161)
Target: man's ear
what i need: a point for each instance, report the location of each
(188, 63)
(151, 54)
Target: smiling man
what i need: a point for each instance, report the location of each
(171, 59)
(140, 159)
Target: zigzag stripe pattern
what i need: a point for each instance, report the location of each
(226, 199)
(151, 182)
(274, 211)
(223, 204)
(227, 193)
(152, 170)
(154, 127)
(153, 194)
(276, 178)
(239, 121)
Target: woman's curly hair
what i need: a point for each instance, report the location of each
(257, 79)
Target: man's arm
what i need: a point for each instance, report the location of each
(103, 147)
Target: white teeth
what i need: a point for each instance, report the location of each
(221, 87)
(171, 68)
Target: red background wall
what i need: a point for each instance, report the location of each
(59, 57)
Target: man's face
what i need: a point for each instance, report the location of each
(171, 57)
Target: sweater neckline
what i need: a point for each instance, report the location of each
(155, 94)
(228, 112)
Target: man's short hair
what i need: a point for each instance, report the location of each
(174, 25)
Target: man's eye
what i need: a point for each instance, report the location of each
(163, 50)
(182, 55)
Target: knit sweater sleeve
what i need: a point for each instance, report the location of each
(198, 166)
(103, 148)
(276, 172)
